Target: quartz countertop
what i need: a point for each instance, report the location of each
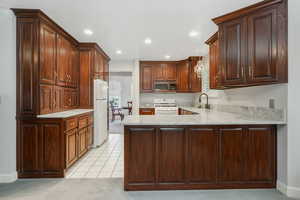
(204, 117)
(66, 114)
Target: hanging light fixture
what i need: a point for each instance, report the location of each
(200, 67)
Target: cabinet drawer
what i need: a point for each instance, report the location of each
(71, 123)
(83, 122)
(147, 111)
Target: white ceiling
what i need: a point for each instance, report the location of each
(124, 24)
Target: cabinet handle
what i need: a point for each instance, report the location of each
(250, 70)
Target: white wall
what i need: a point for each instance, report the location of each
(8, 96)
(120, 85)
(293, 141)
(121, 66)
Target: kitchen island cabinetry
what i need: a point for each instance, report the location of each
(199, 157)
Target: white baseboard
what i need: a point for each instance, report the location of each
(289, 191)
(8, 178)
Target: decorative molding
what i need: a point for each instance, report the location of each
(289, 191)
(8, 178)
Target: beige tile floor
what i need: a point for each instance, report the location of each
(103, 162)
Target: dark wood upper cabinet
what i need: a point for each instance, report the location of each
(146, 82)
(62, 61)
(214, 69)
(46, 99)
(170, 71)
(47, 55)
(183, 76)
(94, 64)
(195, 81)
(253, 45)
(262, 46)
(233, 51)
(164, 71)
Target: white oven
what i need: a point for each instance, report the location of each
(165, 107)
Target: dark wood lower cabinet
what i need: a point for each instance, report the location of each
(46, 148)
(200, 157)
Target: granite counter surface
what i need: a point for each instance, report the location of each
(204, 117)
(66, 114)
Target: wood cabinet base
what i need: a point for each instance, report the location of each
(199, 157)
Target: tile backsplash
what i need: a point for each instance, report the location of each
(182, 99)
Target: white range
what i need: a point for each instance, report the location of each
(165, 107)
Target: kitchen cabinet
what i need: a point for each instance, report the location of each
(147, 111)
(172, 155)
(195, 81)
(46, 102)
(164, 71)
(183, 76)
(58, 94)
(94, 64)
(146, 81)
(70, 98)
(214, 69)
(253, 45)
(199, 157)
(47, 54)
(187, 79)
(71, 147)
(51, 145)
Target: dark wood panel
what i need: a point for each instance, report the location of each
(170, 71)
(233, 153)
(233, 54)
(57, 99)
(71, 147)
(26, 66)
(82, 143)
(171, 155)
(262, 46)
(47, 55)
(195, 81)
(62, 61)
(86, 81)
(141, 154)
(183, 71)
(202, 155)
(46, 99)
(147, 111)
(29, 150)
(52, 147)
(261, 151)
(146, 78)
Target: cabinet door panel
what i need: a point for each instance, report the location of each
(233, 153)
(58, 93)
(232, 44)
(46, 99)
(262, 46)
(171, 155)
(195, 81)
(71, 147)
(74, 67)
(29, 149)
(170, 71)
(146, 78)
(53, 152)
(47, 55)
(202, 155)
(82, 141)
(183, 71)
(62, 61)
(158, 72)
(261, 154)
(141, 155)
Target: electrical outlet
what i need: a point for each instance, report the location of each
(272, 103)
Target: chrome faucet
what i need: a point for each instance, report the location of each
(207, 106)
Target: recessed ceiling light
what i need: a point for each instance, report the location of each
(88, 32)
(148, 41)
(193, 33)
(119, 52)
(167, 57)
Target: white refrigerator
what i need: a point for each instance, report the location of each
(100, 112)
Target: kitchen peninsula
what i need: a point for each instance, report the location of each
(206, 150)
